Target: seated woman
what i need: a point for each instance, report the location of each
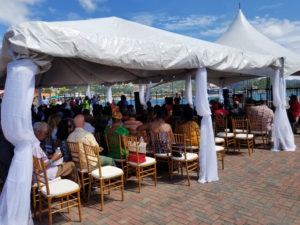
(64, 128)
(160, 127)
(116, 129)
(131, 124)
(190, 128)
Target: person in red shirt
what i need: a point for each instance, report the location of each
(294, 112)
(221, 111)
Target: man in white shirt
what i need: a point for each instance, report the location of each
(66, 169)
(45, 101)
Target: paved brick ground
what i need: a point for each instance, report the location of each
(261, 189)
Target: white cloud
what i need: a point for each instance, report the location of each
(283, 31)
(269, 7)
(73, 16)
(175, 23)
(16, 11)
(90, 5)
(188, 22)
(216, 31)
(144, 18)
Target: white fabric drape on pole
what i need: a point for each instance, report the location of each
(221, 98)
(148, 87)
(188, 90)
(109, 95)
(17, 128)
(142, 94)
(88, 91)
(283, 135)
(207, 155)
(39, 96)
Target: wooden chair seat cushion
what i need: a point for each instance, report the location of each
(223, 134)
(149, 161)
(82, 171)
(258, 132)
(49, 181)
(189, 157)
(161, 155)
(219, 148)
(240, 131)
(191, 147)
(244, 136)
(107, 172)
(60, 187)
(219, 140)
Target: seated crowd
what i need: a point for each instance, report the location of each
(56, 125)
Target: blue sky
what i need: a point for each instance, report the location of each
(204, 19)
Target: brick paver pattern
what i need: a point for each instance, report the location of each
(261, 189)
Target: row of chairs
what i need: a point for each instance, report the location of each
(242, 133)
(175, 149)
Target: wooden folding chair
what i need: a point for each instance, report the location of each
(78, 158)
(65, 191)
(144, 169)
(107, 178)
(257, 129)
(222, 131)
(180, 155)
(190, 145)
(119, 142)
(245, 138)
(161, 146)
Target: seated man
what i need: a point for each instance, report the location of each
(67, 169)
(261, 118)
(82, 136)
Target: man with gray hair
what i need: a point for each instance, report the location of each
(67, 169)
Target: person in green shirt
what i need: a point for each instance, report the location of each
(86, 103)
(116, 129)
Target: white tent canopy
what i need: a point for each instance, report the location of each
(242, 35)
(104, 51)
(110, 50)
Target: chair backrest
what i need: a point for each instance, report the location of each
(132, 146)
(178, 144)
(117, 141)
(40, 173)
(240, 125)
(221, 123)
(74, 151)
(92, 158)
(161, 143)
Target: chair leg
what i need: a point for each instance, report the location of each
(61, 202)
(171, 172)
(34, 201)
(40, 207)
(170, 168)
(68, 204)
(155, 175)
(187, 173)
(139, 178)
(82, 185)
(50, 210)
(109, 186)
(102, 194)
(90, 188)
(222, 160)
(122, 187)
(198, 170)
(79, 206)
